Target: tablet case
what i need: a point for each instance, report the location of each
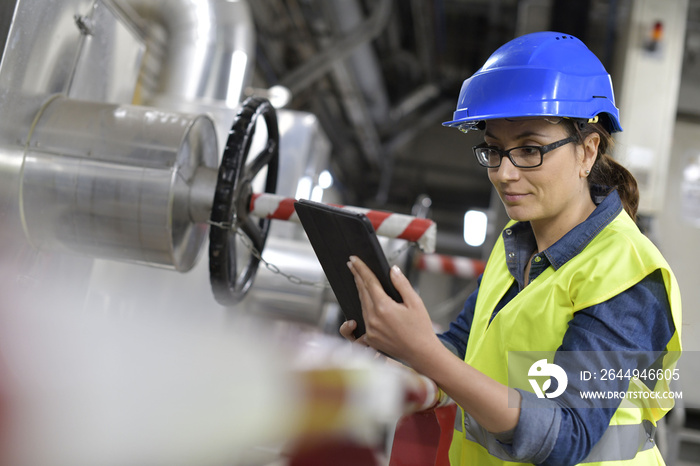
(335, 235)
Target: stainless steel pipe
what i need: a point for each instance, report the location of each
(119, 182)
(200, 55)
(207, 48)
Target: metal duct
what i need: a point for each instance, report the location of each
(198, 54)
(116, 181)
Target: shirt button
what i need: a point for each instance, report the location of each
(538, 259)
(511, 255)
(509, 232)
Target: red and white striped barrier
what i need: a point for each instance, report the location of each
(462, 267)
(420, 230)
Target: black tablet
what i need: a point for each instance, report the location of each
(336, 234)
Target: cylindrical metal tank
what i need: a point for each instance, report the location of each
(114, 181)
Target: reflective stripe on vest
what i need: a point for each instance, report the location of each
(619, 443)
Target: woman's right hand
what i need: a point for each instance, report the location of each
(347, 328)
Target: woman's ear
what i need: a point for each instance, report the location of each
(590, 153)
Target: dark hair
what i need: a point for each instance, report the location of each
(606, 171)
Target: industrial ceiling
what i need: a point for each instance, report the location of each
(381, 75)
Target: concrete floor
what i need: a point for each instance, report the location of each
(689, 453)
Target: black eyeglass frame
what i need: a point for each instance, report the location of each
(506, 153)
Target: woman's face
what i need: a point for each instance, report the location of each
(552, 191)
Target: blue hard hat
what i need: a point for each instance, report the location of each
(539, 74)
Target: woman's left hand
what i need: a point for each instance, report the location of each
(402, 330)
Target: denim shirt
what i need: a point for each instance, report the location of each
(638, 319)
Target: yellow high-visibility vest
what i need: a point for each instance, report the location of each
(537, 318)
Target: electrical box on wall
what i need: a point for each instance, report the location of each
(651, 54)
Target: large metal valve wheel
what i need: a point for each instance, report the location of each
(230, 281)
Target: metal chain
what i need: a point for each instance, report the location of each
(276, 270)
(272, 267)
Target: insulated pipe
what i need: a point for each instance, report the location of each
(462, 267)
(323, 62)
(420, 230)
(207, 48)
(363, 63)
(119, 182)
(136, 183)
(199, 56)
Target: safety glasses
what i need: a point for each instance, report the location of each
(521, 157)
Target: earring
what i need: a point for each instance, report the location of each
(588, 172)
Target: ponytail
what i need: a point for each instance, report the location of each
(606, 171)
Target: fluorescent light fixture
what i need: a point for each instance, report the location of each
(235, 88)
(325, 179)
(475, 222)
(317, 194)
(279, 96)
(304, 187)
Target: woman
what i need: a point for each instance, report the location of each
(571, 274)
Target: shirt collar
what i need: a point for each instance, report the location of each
(608, 207)
(578, 238)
